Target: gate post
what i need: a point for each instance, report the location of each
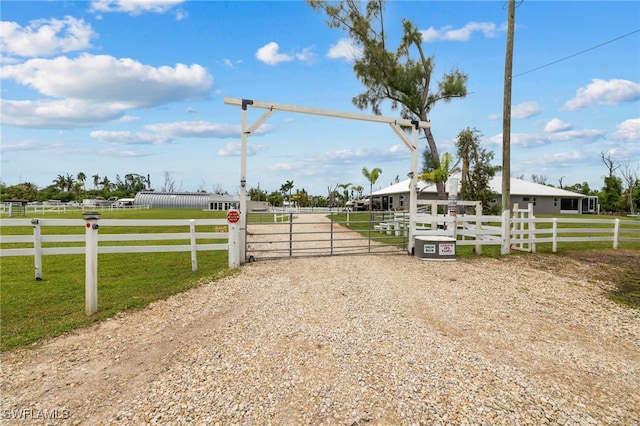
(91, 263)
(290, 234)
(235, 244)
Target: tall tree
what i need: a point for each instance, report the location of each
(106, 184)
(60, 182)
(630, 177)
(286, 188)
(96, 180)
(393, 75)
(82, 178)
(610, 197)
(345, 192)
(358, 189)
(476, 169)
(371, 176)
(169, 182)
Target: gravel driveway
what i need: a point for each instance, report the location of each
(348, 340)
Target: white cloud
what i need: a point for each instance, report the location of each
(181, 14)
(585, 136)
(128, 118)
(233, 149)
(45, 37)
(557, 125)
(93, 89)
(204, 129)
(603, 92)
(345, 49)
(270, 54)
(20, 146)
(129, 138)
(525, 110)
(561, 158)
(135, 7)
(628, 130)
(103, 78)
(489, 29)
(121, 153)
(534, 139)
(56, 114)
(306, 55)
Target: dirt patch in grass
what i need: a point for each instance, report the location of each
(617, 271)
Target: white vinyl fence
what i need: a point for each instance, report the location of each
(221, 230)
(525, 232)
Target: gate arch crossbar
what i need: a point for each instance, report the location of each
(396, 124)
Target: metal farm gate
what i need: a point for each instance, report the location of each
(297, 234)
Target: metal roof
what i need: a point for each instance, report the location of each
(518, 187)
(199, 200)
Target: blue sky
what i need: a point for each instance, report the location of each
(120, 86)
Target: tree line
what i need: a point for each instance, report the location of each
(67, 187)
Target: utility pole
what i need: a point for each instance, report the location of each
(506, 131)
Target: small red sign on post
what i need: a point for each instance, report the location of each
(233, 216)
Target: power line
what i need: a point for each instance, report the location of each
(576, 54)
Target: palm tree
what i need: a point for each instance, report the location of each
(442, 173)
(82, 179)
(106, 183)
(358, 190)
(96, 180)
(60, 182)
(286, 188)
(345, 192)
(372, 176)
(69, 181)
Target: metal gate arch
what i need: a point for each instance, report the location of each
(302, 234)
(397, 125)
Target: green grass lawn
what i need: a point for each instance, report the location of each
(31, 310)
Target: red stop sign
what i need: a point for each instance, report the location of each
(233, 216)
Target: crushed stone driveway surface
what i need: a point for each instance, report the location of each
(348, 340)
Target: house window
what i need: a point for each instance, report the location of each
(535, 201)
(402, 201)
(568, 204)
(390, 202)
(555, 202)
(526, 199)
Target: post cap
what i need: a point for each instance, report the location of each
(91, 215)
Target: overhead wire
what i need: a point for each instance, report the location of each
(576, 54)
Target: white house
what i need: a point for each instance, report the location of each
(545, 199)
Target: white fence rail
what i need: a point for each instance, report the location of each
(525, 233)
(91, 238)
(37, 238)
(12, 210)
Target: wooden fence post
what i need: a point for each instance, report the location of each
(37, 248)
(555, 235)
(616, 234)
(91, 262)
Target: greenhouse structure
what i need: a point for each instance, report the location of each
(185, 200)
